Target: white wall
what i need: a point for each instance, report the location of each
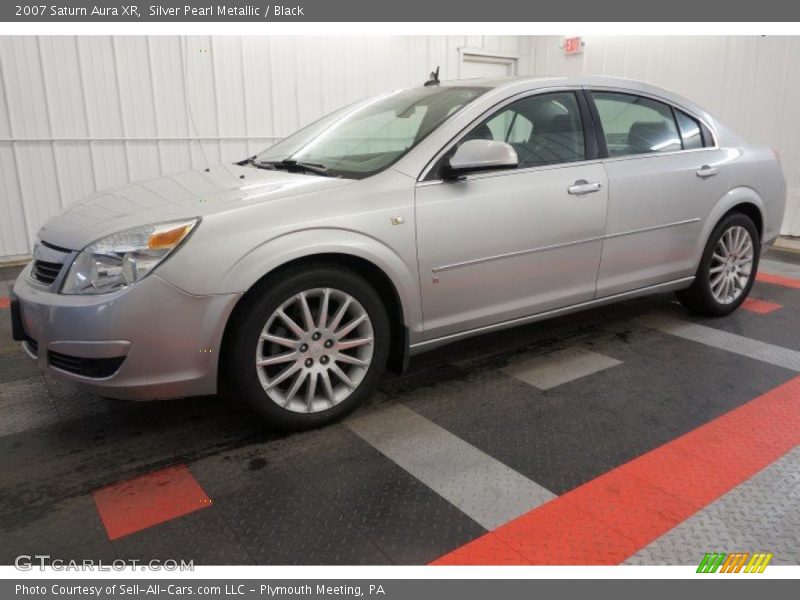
(82, 114)
(750, 83)
(86, 113)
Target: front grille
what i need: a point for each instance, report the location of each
(86, 367)
(48, 260)
(46, 272)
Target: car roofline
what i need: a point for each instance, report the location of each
(633, 86)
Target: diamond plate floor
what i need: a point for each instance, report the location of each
(337, 496)
(760, 515)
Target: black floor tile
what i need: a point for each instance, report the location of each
(512, 422)
(17, 366)
(574, 432)
(787, 256)
(281, 518)
(408, 521)
(69, 530)
(46, 465)
(202, 537)
(8, 347)
(779, 327)
(11, 272)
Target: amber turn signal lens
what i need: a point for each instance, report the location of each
(164, 240)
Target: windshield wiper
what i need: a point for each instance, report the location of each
(292, 165)
(247, 161)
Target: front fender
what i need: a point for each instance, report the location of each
(283, 249)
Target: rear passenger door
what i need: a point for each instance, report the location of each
(665, 173)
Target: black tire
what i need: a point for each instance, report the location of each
(241, 376)
(699, 298)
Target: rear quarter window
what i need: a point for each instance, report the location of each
(691, 131)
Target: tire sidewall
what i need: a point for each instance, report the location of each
(263, 301)
(703, 274)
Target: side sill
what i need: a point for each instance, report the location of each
(669, 286)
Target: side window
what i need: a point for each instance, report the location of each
(636, 125)
(544, 129)
(691, 132)
(510, 126)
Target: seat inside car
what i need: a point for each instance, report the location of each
(647, 136)
(553, 140)
(481, 132)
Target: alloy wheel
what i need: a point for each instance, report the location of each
(314, 350)
(731, 264)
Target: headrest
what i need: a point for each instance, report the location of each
(644, 136)
(556, 124)
(481, 132)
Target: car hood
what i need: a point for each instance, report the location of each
(173, 197)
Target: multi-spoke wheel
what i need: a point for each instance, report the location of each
(307, 350)
(731, 264)
(315, 350)
(727, 269)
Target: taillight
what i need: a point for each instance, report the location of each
(777, 155)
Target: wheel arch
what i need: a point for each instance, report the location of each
(374, 261)
(744, 200)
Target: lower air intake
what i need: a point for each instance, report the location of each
(86, 367)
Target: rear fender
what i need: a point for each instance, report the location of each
(735, 197)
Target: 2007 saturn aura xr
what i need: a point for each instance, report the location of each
(390, 227)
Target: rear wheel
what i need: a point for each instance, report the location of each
(310, 348)
(727, 269)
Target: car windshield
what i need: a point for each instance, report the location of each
(367, 137)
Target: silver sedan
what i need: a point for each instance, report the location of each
(390, 227)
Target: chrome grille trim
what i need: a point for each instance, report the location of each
(46, 272)
(48, 264)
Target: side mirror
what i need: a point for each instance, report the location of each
(481, 155)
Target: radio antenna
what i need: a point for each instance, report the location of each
(434, 80)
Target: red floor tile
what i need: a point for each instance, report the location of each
(609, 518)
(558, 533)
(778, 280)
(148, 500)
(761, 307)
(639, 511)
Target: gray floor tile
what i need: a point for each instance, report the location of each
(549, 370)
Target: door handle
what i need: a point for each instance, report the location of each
(581, 187)
(706, 171)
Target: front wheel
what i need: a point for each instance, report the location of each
(727, 269)
(306, 349)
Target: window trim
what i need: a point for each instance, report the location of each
(675, 112)
(600, 133)
(589, 132)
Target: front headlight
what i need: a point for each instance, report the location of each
(123, 258)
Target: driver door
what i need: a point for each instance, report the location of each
(501, 245)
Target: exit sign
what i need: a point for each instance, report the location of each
(573, 45)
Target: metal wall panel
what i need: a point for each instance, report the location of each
(82, 114)
(751, 83)
(79, 114)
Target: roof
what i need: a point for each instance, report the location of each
(596, 80)
(518, 84)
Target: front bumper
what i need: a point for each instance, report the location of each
(152, 340)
